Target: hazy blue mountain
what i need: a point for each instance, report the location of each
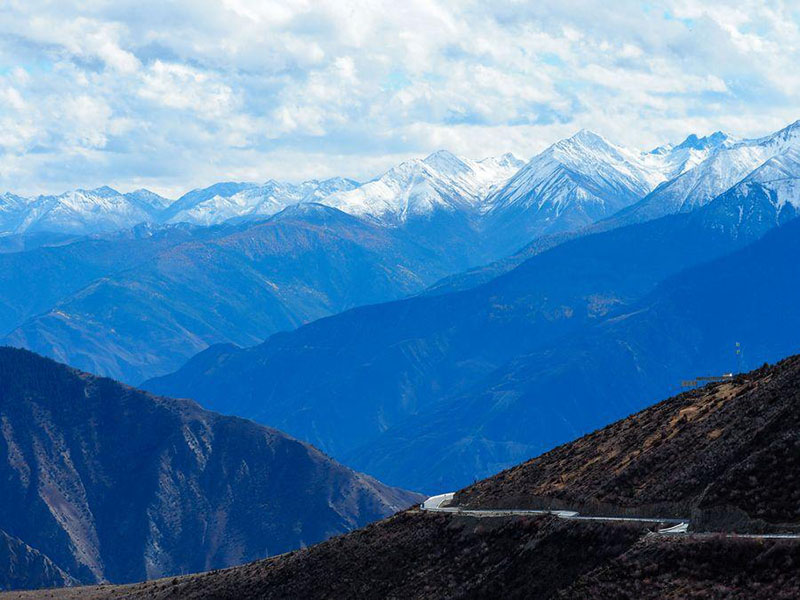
(148, 307)
(19, 242)
(32, 281)
(108, 483)
(687, 327)
(341, 381)
(142, 309)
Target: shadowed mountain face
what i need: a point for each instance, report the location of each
(23, 567)
(133, 309)
(349, 383)
(727, 453)
(110, 483)
(687, 326)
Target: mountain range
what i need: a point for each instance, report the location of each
(237, 262)
(138, 304)
(433, 391)
(102, 482)
(573, 183)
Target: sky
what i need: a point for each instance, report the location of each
(174, 95)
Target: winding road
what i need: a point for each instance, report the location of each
(677, 526)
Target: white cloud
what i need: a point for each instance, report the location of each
(174, 95)
(182, 87)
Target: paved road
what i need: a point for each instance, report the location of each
(678, 526)
(435, 504)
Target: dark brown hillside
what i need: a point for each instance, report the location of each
(726, 451)
(434, 556)
(411, 555)
(680, 568)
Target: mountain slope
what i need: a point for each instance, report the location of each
(114, 484)
(12, 211)
(687, 326)
(342, 381)
(234, 284)
(32, 281)
(726, 453)
(769, 195)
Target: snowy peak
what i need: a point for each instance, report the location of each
(81, 211)
(191, 199)
(572, 183)
(222, 202)
(315, 190)
(148, 200)
(585, 169)
(419, 188)
(446, 163)
(715, 140)
(586, 138)
(768, 196)
(9, 201)
(694, 142)
(785, 139)
(783, 166)
(506, 161)
(674, 160)
(12, 211)
(101, 192)
(712, 171)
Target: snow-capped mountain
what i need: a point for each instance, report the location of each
(86, 211)
(571, 184)
(767, 197)
(574, 183)
(148, 201)
(583, 168)
(225, 201)
(674, 160)
(727, 164)
(420, 187)
(12, 211)
(196, 197)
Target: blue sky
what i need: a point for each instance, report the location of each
(180, 94)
